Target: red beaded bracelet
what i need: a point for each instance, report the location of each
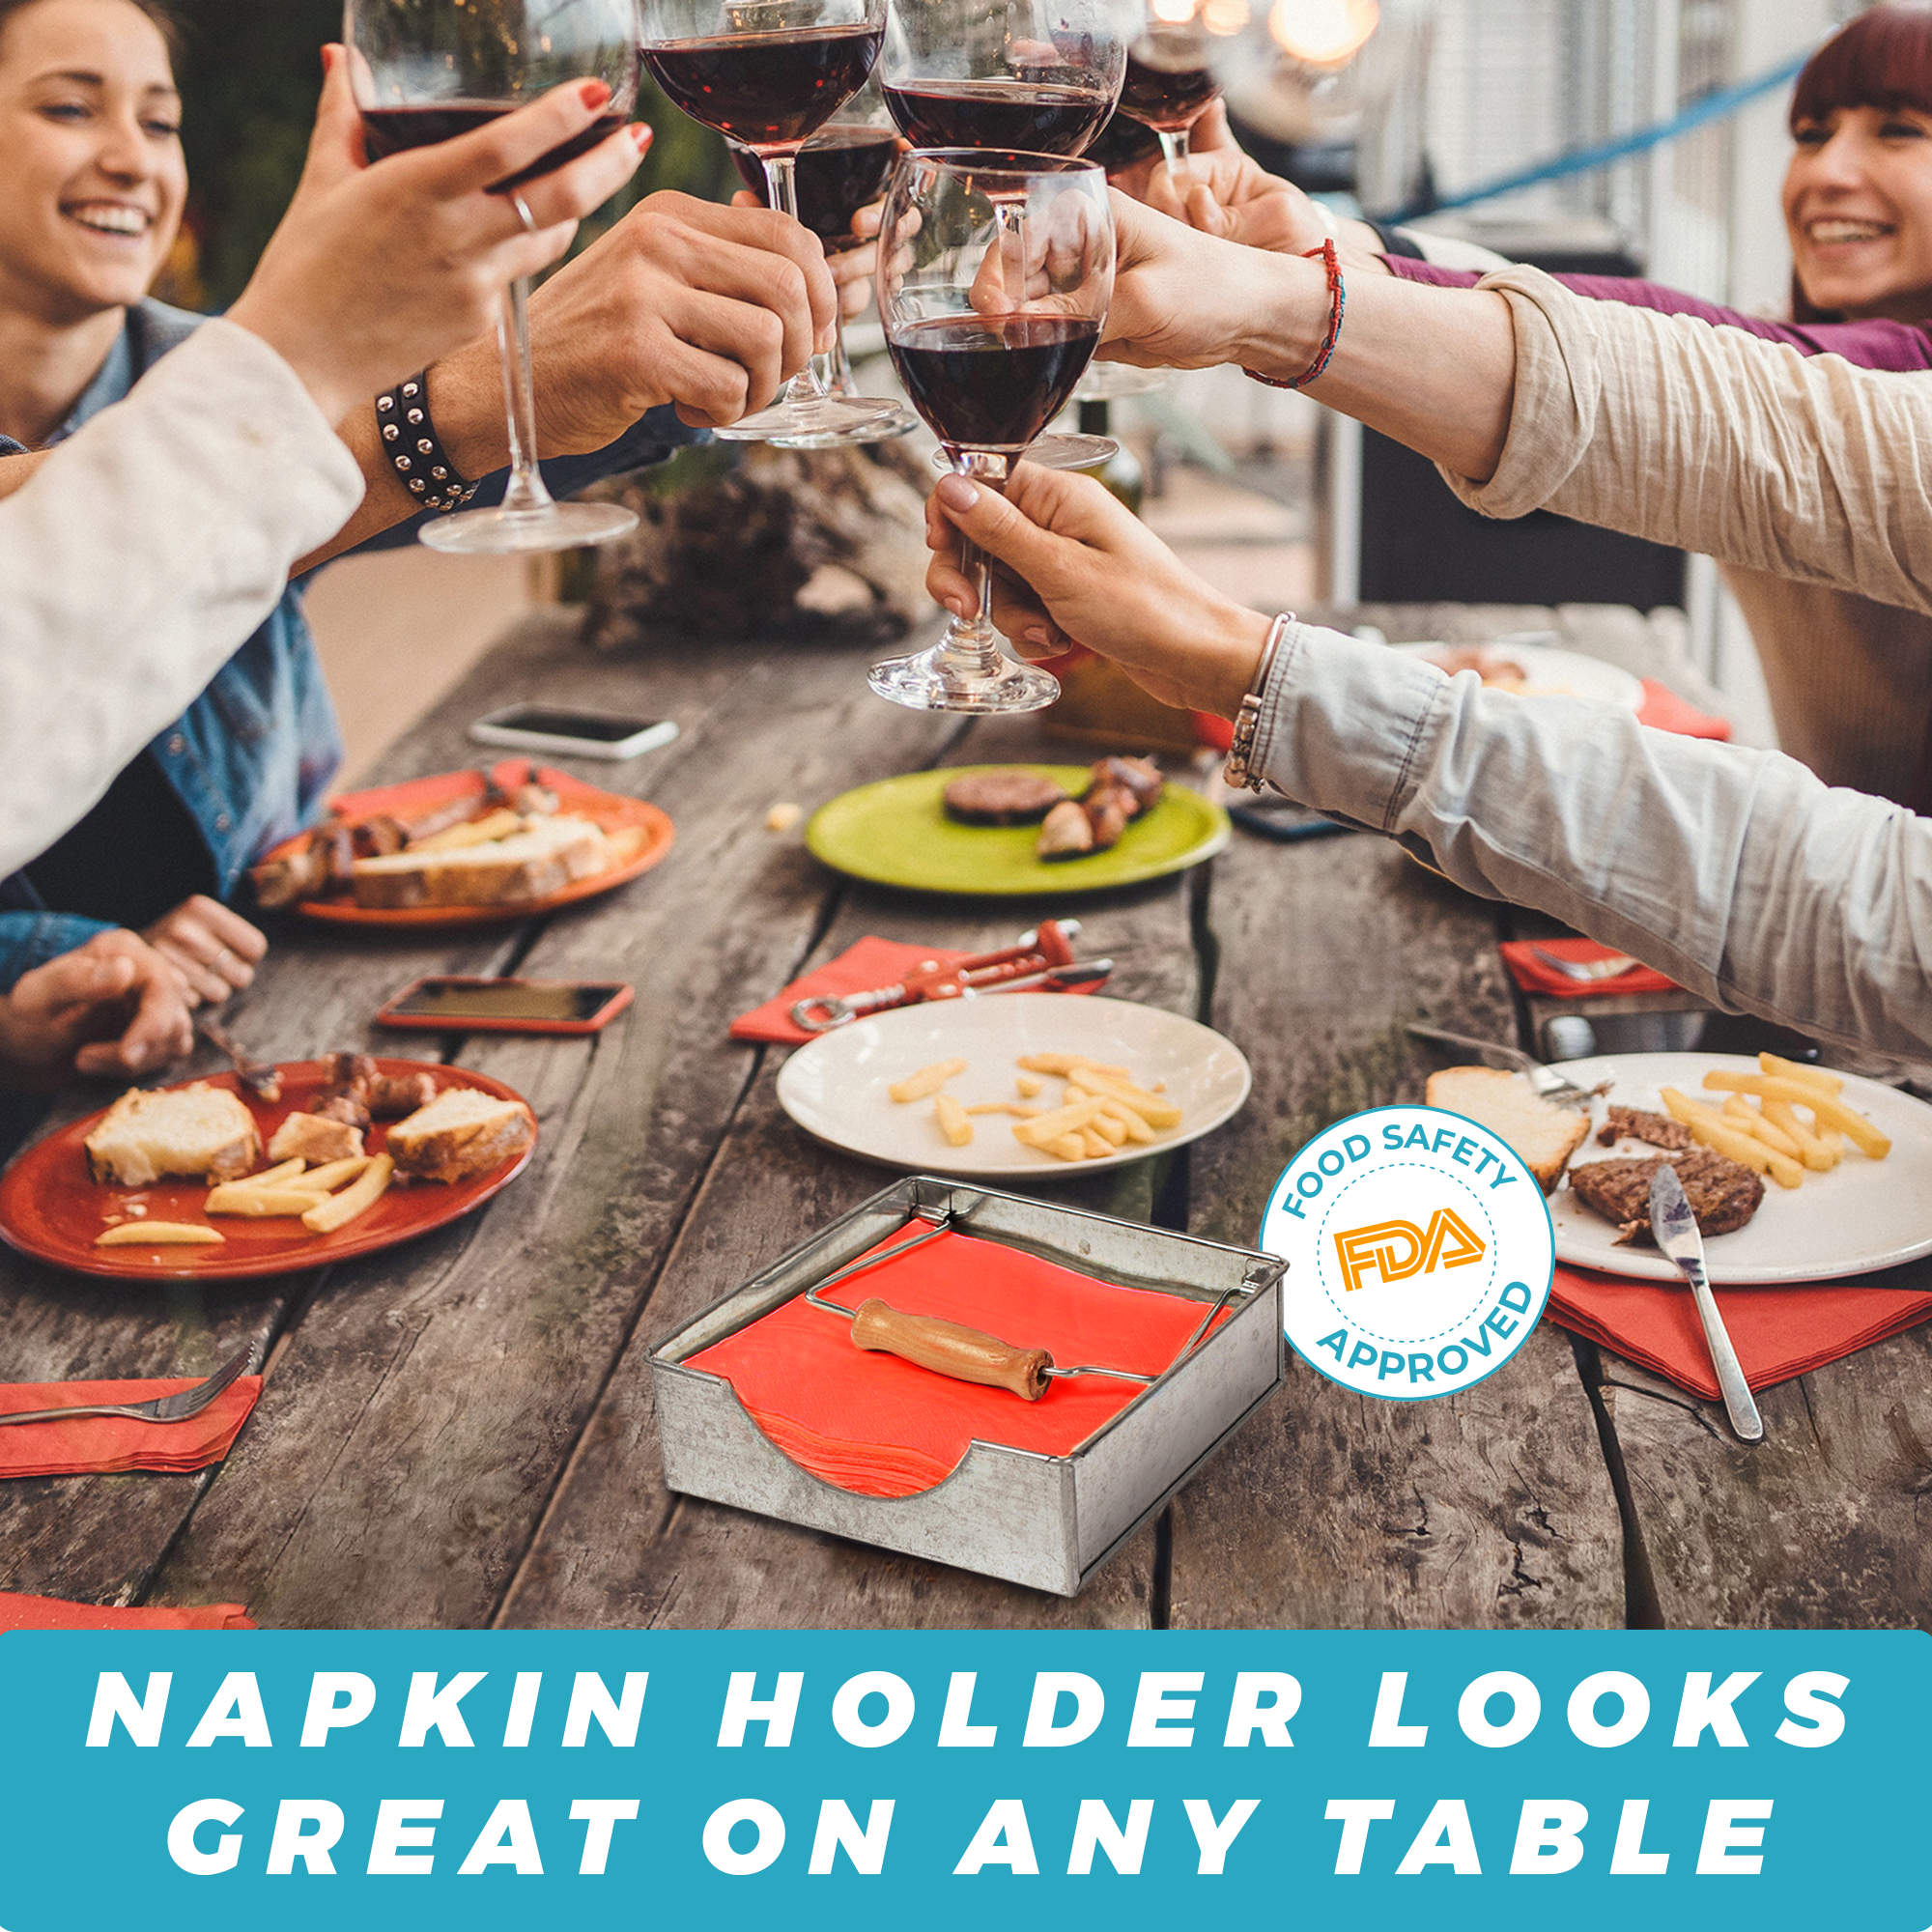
(1338, 302)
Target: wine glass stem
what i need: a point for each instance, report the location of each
(971, 645)
(526, 491)
(782, 187)
(1173, 147)
(838, 373)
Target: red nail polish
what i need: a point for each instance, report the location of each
(594, 93)
(640, 133)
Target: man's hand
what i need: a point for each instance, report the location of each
(214, 951)
(1073, 567)
(1225, 192)
(114, 1007)
(851, 265)
(683, 301)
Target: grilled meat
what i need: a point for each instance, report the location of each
(1724, 1195)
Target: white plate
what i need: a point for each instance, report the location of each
(1551, 673)
(836, 1087)
(1862, 1216)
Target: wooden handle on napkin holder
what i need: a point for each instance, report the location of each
(966, 1354)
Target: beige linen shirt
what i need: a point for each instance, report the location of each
(1736, 871)
(139, 557)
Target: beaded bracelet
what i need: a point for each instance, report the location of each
(410, 442)
(1338, 302)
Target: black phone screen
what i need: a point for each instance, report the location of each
(597, 727)
(457, 999)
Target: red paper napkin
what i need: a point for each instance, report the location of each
(1777, 1332)
(52, 1613)
(1662, 708)
(109, 1445)
(880, 1426)
(863, 966)
(1534, 976)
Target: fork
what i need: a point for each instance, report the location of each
(1612, 966)
(1546, 1080)
(176, 1407)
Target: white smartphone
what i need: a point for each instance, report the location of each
(570, 733)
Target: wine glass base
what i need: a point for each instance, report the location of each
(1111, 382)
(824, 415)
(902, 422)
(1056, 452)
(505, 532)
(921, 682)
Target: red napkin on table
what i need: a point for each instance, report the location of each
(881, 1426)
(1662, 708)
(863, 966)
(1777, 1332)
(52, 1613)
(109, 1445)
(1534, 976)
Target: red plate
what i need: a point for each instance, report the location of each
(611, 811)
(51, 1207)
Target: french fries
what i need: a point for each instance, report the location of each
(927, 1081)
(1794, 1070)
(1709, 1125)
(1812, 1150)
(953, 1120)
(259, 1204)
(357, 1198)
(1749, 1120)
(157, 1234)
(1101, 1111)
(1830, 1111)
(331, 1173)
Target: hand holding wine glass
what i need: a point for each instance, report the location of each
(994, 279)
(426, 70)
(373, 273)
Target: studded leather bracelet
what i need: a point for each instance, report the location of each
(412, 444)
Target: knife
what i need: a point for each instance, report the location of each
(1675, 1228)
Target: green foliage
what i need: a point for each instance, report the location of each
(249, 76)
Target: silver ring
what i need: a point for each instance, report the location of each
(524, 213)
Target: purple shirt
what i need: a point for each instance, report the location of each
(1871, 345)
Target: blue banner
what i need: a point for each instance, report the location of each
(494, 1781)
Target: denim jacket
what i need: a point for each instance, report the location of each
(252, 757)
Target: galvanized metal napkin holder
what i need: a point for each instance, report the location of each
(1049, 1522)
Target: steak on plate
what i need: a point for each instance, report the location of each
(1723, 1194)
(1634, 1124)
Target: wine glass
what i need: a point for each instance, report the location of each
(842, 168)
(767, 74)
(995, 272)
(425, 71)
(1169, 83)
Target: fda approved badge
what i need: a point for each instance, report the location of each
(1420, 1252)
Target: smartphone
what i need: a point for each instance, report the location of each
(1283, 820)
(440, 1003)
(563, 731)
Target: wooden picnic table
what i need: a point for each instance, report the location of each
(458, 1431)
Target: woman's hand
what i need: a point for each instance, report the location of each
(1072, 566)
(377, 269)
(214, 951)
(114, 1007)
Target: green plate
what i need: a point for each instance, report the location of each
(896, 833)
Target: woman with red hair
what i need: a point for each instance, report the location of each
(1850, 680)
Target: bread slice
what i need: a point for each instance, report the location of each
(463, 1132)
(196, 1131)
(547, 855)
(314, 1139)
(1544, 1134)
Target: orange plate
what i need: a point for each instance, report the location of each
(51, 1207)
(607, 808)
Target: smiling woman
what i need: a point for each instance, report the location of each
(92, 183)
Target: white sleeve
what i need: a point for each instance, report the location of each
(139, 558)
(1735, 871)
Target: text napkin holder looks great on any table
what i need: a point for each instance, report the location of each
(868, 1446)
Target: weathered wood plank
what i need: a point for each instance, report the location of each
(425, 1404)
(1822, 1526)
(1488, 1508)
(617, 1548)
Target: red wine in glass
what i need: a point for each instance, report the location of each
(1009, 116)
(766, 90)
(991, 382)
(1169, 84)
(839, 171)
(1124, 143)
(390, 131)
